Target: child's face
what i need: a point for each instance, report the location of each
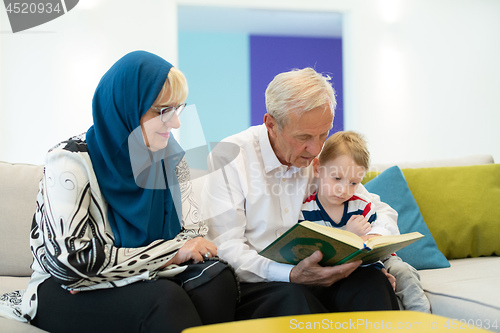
(338, 179)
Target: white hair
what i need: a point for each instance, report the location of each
(298, 91)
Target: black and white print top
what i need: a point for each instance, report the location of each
(72, 241)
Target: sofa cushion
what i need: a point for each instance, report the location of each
(18, 190)
(460, 206)
(448, 162)
(11, 283)
(14, 326)
(392, 188)
(468, 291)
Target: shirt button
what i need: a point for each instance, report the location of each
(284, 179)
(286, 210)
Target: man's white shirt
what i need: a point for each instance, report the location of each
(250, 199)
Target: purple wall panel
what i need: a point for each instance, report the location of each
(271, 55)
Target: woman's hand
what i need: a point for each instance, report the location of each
(358, 225)
(196, 249)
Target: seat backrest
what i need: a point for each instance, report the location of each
(18, 191)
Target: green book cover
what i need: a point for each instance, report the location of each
(338, 246)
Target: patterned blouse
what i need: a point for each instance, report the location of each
(72, 241)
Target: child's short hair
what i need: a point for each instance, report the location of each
(347, 143)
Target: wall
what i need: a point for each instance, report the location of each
(421, 77)
(228, 74)
(49, 73)
(216, 67)
(271, 55)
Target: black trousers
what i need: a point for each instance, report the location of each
(147, 306)
(366, 289)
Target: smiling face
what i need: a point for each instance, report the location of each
(300, 140)
(155, 132)
(338, 179)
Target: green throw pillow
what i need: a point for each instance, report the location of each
(392, 188)
(461, 207)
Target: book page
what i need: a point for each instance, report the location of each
(375, 242)
(382, 252)
(342, 235)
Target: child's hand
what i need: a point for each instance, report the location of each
(359, 225)
(392, 279)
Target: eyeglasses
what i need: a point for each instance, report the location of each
(167, 113)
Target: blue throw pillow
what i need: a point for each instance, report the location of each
(392, 188)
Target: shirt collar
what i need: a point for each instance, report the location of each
(269, 157)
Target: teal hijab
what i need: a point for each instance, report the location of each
(140, 187)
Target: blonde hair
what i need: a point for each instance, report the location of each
(347, 143)
(176, 85)
(298, 91)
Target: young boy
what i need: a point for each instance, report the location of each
(339, 170)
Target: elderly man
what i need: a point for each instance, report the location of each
(254, 193)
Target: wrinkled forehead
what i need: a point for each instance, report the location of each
(313, 123)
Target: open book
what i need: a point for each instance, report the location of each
(338, 246)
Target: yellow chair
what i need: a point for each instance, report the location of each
(375, 321)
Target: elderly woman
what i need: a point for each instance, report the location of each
(117, 239)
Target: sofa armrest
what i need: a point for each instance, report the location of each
(18, 191)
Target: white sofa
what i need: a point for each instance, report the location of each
(18, 190)
(468, 290)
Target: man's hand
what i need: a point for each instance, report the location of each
(308, 271)
(358, 225)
